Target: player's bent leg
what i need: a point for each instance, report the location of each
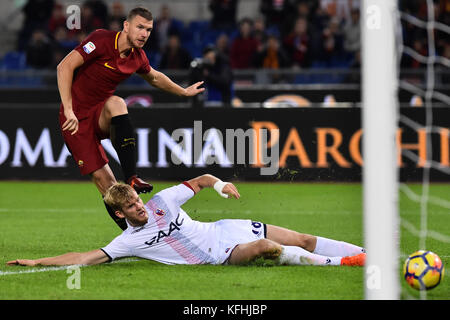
(114, 119)
(288, 237)
(103, 178)
(247, 252)
(305, 249)
(288, 255)
(114, 106)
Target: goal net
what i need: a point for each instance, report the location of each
(422, 41)
(398, 214)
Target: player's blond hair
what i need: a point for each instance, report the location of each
(117, 195)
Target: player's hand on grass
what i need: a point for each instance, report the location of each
(71, 122)
(231, 191)
(21, 262)
(194, 89)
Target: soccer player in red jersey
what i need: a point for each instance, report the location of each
(90, 112)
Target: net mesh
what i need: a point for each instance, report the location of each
(435, 33)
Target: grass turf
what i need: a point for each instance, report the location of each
(39, 219)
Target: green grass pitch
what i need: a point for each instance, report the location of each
(39, 219)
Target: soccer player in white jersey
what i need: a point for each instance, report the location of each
(162, 231)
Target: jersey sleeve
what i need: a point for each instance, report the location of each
(145, 66)
(92, 47)
(117, 249)
(178, 194)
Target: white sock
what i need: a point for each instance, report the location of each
(329, 247)
(293, 255)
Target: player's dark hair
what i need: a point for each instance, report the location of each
(140, 11)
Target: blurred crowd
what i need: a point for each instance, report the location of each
(417, 38)
(283, 34)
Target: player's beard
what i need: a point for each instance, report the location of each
(131, 43)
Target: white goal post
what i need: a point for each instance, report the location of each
(380, 173)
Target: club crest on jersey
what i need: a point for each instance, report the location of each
(89, 47)
(160, 212)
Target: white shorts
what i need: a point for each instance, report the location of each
(231, 232)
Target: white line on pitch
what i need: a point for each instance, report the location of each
(50, 269)
(48, 210)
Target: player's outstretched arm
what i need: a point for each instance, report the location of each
(225, 189)
(71, 258)
(161, 81)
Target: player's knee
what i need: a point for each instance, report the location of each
(116, 105)
(307, 242)
(268, 248)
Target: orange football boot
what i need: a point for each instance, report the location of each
(358, 260)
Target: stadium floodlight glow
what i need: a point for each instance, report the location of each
(379, 120)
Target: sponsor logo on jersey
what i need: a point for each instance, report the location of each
(89, 47)
(173, 226)
(80, 163)
(160, 212)
(227, 249)
(108, 66)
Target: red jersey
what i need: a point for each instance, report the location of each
(103, 69)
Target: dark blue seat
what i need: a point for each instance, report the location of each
(14, 60)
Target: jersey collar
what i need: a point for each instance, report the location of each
(116, 45)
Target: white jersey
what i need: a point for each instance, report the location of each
(170, 236)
